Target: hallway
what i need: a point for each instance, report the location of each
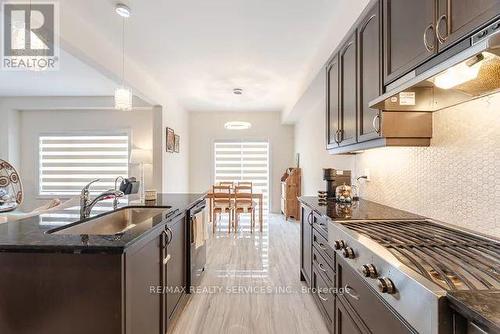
(252, 285)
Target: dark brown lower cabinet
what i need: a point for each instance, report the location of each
(174, 264)
(346, 322)
(306, 244)
(325, 297)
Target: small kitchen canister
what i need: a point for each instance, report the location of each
(150, 195)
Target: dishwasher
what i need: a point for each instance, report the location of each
(197, 252)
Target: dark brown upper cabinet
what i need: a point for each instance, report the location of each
(458, 18)
(348, 91)
(369, 72)
(409, 35)
(332, 103)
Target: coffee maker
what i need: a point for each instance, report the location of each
(335, 178)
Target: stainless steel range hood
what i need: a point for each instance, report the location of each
(466, 71)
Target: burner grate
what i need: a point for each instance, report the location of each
(453, 259)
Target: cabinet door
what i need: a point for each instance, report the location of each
(457, 18)
(348, 91)
(306, 245)
(143, 272)
(409, 35)
(332, 103)
(370, 73)
(175, 265)
(344, 323)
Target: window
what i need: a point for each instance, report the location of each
(68, 162)
(244, 161)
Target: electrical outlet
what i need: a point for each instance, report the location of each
(367, 173)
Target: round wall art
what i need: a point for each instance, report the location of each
(11, 188)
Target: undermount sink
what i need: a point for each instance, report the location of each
(114, 223)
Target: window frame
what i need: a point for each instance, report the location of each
(114, 132)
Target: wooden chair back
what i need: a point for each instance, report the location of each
(227, 183)
(221, 195)
(243, 196)
(245, 183)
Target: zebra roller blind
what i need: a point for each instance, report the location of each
(244, 161)
(68, 162)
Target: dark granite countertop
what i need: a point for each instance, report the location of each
(30, 234)
(358, 210)
(482, 307)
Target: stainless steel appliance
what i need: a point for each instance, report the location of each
(412, 264)
(335, 178)
(466, 71)
(197, 253)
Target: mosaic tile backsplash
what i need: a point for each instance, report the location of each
(455, 180)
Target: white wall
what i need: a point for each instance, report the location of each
(206, 128)
(310, 139)
(456, 179)
(35, 122)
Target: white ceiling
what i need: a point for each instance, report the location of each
(200, 50)
(74, 78)
(196, 51)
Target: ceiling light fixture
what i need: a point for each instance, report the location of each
(123, 95)
(122, 10)
(237, 125)
(237, 91)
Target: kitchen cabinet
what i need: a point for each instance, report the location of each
(348, 91)
(457, 18)
(306, 244)
(344, 322)
(409, 35)
(323, 294)
(142, 271)
(174, 265)
(332, 103)
(369, 72)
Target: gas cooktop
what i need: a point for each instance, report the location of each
(452, 259)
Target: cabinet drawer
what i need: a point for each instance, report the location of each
(324, 295)
(323, 266)
(376, 315)
(320, 223)
(321, 244)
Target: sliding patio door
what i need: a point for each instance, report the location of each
(244, 161)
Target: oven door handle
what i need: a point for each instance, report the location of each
(351, 292)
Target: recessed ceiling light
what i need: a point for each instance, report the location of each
(122, 10)
(237, 91)
(237, 125)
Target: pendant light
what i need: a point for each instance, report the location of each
(123, 95)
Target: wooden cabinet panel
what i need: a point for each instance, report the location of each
(332, 103)
(370, 72)
(457, 18)
(348, 91)
(176, 265)
(344, 322)
(406, 24)
(306, 244)
(325, 297)
(142, 271)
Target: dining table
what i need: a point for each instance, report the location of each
(258, 196)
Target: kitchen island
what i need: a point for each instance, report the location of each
(54, 281)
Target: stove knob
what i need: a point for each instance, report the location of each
(339, 244)
(369, 270)
(349, 253)
(385, 285)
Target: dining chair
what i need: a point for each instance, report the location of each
(243, 203)
(245, 183)
(227, 183)
(222, 204)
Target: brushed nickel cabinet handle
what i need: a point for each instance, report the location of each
(322, 298)
(321, 267)
(428, 47)
(351, 292)
(166, 259)
(376, 123)
(322, 246)
(440, 38)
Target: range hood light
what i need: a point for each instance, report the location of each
(457, 75)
